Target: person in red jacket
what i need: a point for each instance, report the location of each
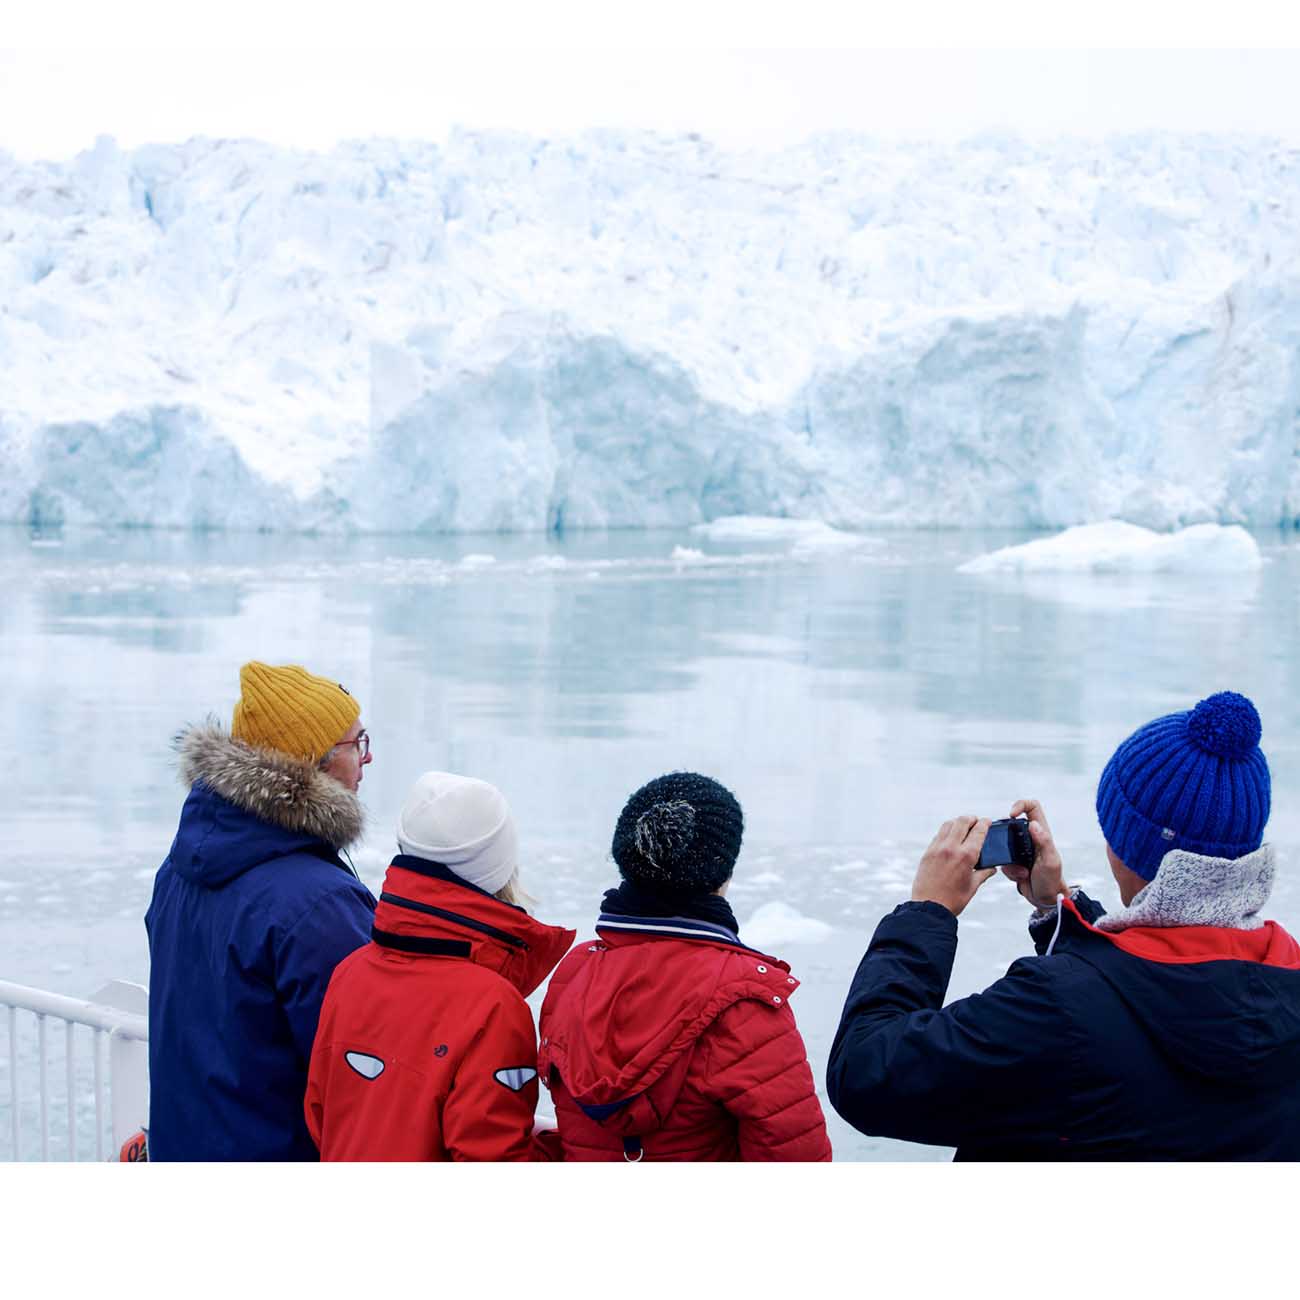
(426, 1048)
(667, 1038)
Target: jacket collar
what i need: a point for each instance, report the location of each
(670, 927)
(1183, 945)
(425, 909)
(290, 794)
(1191, 890)
(619, 931)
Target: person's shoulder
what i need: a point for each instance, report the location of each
(307, 873)
(573, 961)
(745, 963)
(291, 889)
(479, 992)
(485, 982)
(1064, 978)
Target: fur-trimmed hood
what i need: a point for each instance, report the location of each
(287, 793)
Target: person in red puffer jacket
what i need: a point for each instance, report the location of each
(667, 1038)
(426, 1048)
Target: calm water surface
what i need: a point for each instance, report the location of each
(853, 701)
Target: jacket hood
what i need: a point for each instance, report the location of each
(1221, 997)
(625, 1011)
(248, 805)
(425, 909)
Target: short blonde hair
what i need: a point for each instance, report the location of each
(513, 892)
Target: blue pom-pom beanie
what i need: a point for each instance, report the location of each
(1196, 781)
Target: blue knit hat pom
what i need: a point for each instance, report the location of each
(1195, 781)
(1225, 724)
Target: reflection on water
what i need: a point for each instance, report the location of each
(852, 701)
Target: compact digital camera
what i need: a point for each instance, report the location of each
(1007, 845)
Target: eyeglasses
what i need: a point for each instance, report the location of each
(362, 742)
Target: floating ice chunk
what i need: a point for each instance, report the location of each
(477, 561)
(1116, 547)
(766, 878)
(805, 534)
(547, 564)
(778, 923)
(686, 555)
(825, 538)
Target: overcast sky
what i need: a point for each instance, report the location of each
(54, 101)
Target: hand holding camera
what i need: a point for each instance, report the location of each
(1040, 882)
(966, 851)
(1008, 844)
(945, 875)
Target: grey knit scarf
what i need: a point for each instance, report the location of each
(1189, 889)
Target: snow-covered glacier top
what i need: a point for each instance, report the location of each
(624, 329)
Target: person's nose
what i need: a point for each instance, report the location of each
(369, 758)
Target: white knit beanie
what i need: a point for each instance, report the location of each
(463, 823)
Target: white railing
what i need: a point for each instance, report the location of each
(118, 1014)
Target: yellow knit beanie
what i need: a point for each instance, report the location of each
(289, 709)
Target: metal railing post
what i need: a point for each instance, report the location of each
(13, 1079)
(71, 1059)
(129, 1070)
(99, 1094)
(45, 1089)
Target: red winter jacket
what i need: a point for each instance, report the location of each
(426, 1048)
(672, 1046)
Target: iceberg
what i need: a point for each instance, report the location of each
(498, 332)
(1117, 547)
(776, 924)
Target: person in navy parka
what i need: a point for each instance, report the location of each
(1169, 1030)
(251, 912)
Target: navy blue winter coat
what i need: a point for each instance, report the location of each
(1150, 1043)
(251, 912)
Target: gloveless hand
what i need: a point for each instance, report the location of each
(1044, 884)
(946, 874)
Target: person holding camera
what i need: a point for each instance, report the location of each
(1169, 1030)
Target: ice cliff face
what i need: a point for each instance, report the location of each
(625, 329)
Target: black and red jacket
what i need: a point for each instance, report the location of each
(426, 1048)
(1150, 1043)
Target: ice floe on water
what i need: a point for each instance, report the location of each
(546, 564)
(803, 534)
(684, 561)
(778, 923)
(1116, 547)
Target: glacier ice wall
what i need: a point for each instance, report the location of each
(623, 329)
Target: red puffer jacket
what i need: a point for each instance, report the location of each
(426, 1048)
(671, 1046)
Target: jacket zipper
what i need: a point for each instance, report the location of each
(429, 910)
